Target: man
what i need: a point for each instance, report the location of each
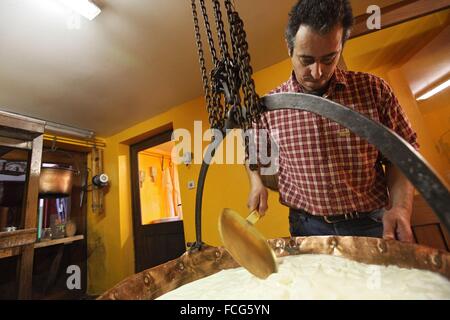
(332, 180)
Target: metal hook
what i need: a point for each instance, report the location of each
(53, 148)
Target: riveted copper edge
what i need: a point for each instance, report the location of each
(210, 260)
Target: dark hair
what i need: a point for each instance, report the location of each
(321, 15)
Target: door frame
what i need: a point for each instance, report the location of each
(152, 141)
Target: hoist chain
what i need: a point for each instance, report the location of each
(210, 102)
(231, 73)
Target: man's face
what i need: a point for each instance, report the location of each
(315, 56)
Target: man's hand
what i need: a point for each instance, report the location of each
(397, 224)
(257, 199)
(397, 218)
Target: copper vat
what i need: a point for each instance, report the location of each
(55, 180)
(195, 265)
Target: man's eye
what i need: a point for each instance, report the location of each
(328, 60)
(306, 62)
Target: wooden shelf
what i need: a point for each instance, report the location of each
(17, 238)
(53, 242)
(20, 127)
(9, 251)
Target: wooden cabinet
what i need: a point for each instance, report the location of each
(54, 258)
(31, 268)
(18, 132)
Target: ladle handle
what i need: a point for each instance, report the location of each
(253, 217)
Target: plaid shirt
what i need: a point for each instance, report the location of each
(323, 167)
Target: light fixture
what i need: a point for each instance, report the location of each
(83, 7)
(435, 90)
(65, 130)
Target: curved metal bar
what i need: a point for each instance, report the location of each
(199, 194)
(391, 145)
(198, 205)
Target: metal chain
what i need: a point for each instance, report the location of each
(231, 73)
(224, 74)
(251, 99)
(210, 105)
(209, 33)
(252, 105)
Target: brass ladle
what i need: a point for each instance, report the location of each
(245, 244)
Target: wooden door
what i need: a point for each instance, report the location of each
(154, 243)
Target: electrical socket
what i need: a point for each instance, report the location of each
(191, 184)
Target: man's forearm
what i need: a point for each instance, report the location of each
(253, 175)
(401, 191)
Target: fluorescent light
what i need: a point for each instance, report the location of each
(83, 7)
(65, 130)
(432, 92)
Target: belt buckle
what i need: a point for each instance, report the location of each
(325, 218)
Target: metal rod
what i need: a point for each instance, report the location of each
(199, 195)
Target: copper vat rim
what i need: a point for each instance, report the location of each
(194, 265)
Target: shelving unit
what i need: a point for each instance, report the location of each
(23, 133)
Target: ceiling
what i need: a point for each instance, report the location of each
(135, 60)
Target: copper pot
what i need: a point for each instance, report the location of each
(55, 180)
(191, 266)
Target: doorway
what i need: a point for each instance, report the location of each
(157, 209)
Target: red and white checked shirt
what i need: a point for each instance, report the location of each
(323, 167)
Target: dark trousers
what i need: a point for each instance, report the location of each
(303, 224)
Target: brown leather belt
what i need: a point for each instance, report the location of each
(335, 218)
(344, 217)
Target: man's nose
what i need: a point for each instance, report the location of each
(316, 71)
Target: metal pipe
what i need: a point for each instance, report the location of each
(62, 129)
(95, 142)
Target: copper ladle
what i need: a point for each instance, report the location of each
(245, 244)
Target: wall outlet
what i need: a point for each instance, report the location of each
(191, 184)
